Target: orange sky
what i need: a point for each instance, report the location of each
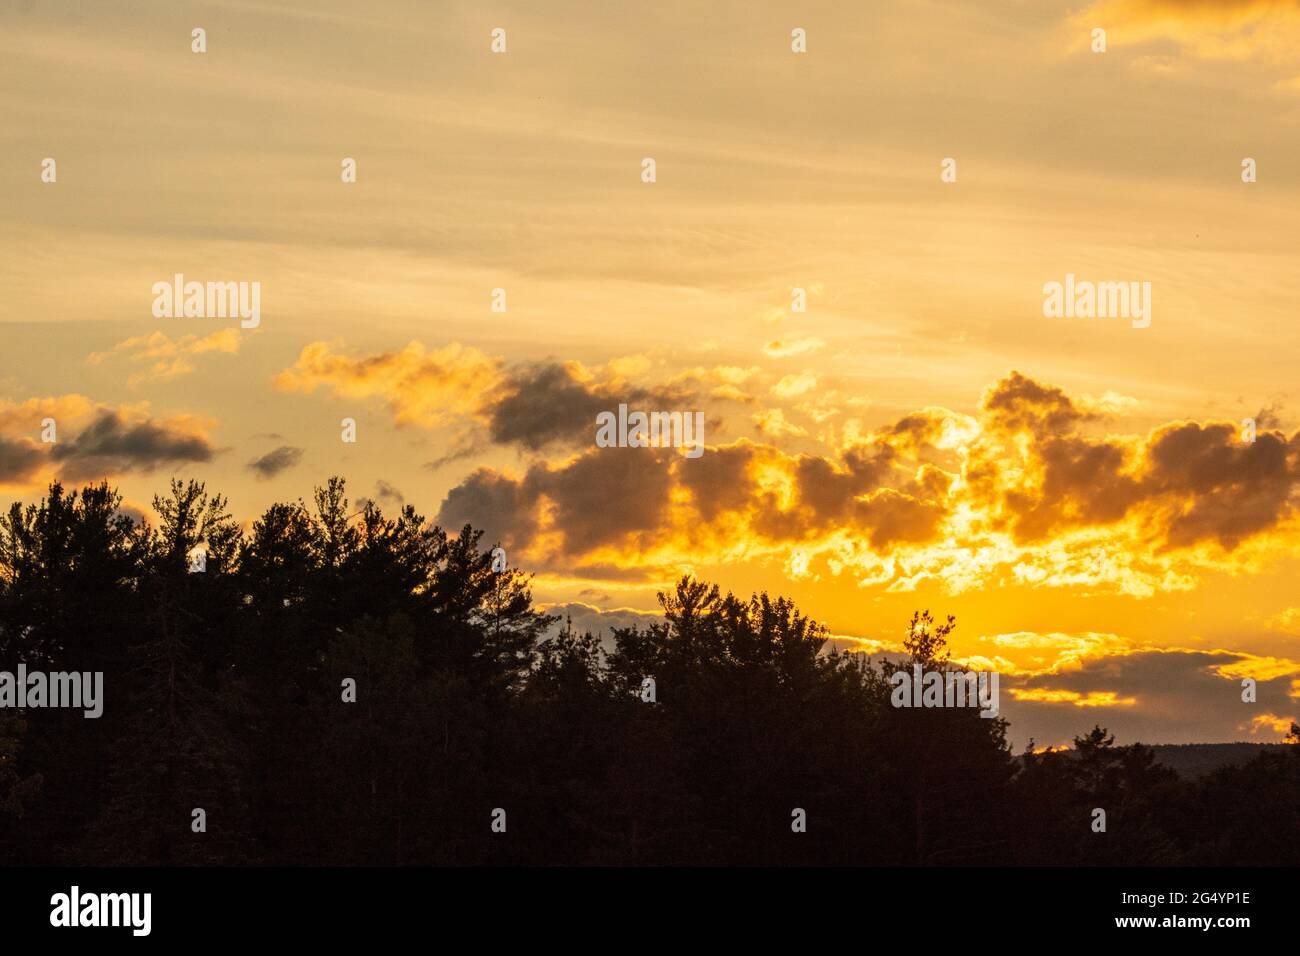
(1076, 491)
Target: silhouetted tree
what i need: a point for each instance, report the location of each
(699, 738)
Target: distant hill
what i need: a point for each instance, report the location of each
(1196, 760)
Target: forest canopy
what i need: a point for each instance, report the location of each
(342, 686)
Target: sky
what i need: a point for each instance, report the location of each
(892, 422)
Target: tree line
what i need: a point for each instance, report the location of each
(224, 692)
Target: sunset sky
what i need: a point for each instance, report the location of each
(1076, 491)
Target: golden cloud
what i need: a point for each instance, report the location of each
(1277, 724)
(1286, 621)
(784, 348)
(169, 357)
(794, 385)
(1024, 493)
(1096, 698)
(1262, 31)
(1037, 473)
(1258, 667)
(1057, 653)
(421, 387)
(772, 422)
(531, 406)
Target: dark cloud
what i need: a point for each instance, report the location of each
(1179, 696)
(274, 462)
(1186, 482)
(1156, 696)
(388, 494)
(1031, 468)
(1219, 487)
(532, 406)
(464, 449)
(385, 494)
(918, 435)
(1081, 483)
(111, 445)
(608, 496)
(1064, 479)
(19, 459)
(640, 573)
(1270, 416)
(864, 491)
(891, 517)
(495, 503)
(721, 481)
(635, 500)
(548, 403)
(1018, 403)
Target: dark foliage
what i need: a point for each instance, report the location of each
(692, 741)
